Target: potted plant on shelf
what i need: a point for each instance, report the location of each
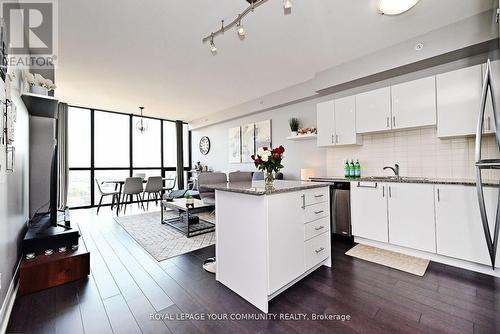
(294, 125)
(38, 84)
(268, 160)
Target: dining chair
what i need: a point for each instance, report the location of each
(240, 177)
(208, 197)
(171, 184)
(107, 192)
(154, 186)
(133, 186)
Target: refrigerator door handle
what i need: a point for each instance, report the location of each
(491, 242)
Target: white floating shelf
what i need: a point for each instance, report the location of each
(303, 137)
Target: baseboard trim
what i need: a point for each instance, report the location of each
(8, 303)
(431, 256)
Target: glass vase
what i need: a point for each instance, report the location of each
(269, 179)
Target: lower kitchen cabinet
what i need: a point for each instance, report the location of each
(459, 227)
(411, 216)
(369, 210)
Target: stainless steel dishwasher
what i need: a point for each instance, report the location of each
(340, 211)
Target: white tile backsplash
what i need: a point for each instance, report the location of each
(420, 153)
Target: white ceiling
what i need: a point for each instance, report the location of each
(117, 55)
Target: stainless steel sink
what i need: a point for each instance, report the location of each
(396, 178)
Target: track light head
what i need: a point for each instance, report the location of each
(287, 6)
(240, 30)
(213, 48)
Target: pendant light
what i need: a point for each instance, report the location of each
(395, 7)
(142, 125)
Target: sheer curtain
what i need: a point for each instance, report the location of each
(62, 158)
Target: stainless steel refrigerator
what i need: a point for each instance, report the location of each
(489, 92)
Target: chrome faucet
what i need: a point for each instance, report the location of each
(395, 169)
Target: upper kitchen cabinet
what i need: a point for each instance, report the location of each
(414, 104)
(373, 111)
(458, 98)
(489, 119)
(337, 122)
(326, 123)
(345, 121)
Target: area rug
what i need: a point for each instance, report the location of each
(409, 264)
(163, 241)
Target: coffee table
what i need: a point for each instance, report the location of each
(187, 222)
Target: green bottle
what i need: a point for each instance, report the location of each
(357, 169)
(346, 169)
(351, 169)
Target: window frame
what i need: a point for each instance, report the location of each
(92, 169)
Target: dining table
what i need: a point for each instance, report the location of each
(119, 182)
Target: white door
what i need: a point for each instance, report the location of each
(285, 239)
(369, 210)
(459, 228)
(326, 123)
(411, 216)
(458, 98)
(489, 119)
(345, 121)
(373, 110)
(414, 104)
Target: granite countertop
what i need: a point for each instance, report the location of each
(258, 187)
(402, 179)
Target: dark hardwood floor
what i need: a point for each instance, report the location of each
(127, 288)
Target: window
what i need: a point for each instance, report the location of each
(79, 141)
(109, 157)
(147, 145)
(111, 139)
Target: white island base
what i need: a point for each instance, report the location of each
(266, 243)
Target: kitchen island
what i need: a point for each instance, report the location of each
(268, 239)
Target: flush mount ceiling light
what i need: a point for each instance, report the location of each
(395, 7)
(240, 30)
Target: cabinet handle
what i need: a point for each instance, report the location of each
(333, 140)
(318, 196)
(394, 121)
(319, 228)
(319, 250)
(439, 195)
(390, 192)
(336, 139)
(361, 186)
(383, 191)
(318, 212)
(303, 201)
(489, 123)
(388, 122)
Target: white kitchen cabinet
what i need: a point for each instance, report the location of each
(345, 122)
(326, 123)
(459, 228)
(373, 110)
(337, 122)
(458, 98)
(411, 216)
(489, 119)
(285, 234)
(369, 210)
(414, 104)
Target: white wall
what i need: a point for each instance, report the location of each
(298, 154)
(14, 196)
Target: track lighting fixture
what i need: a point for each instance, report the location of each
(213, 48)
(287, 6)
(240, 30)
